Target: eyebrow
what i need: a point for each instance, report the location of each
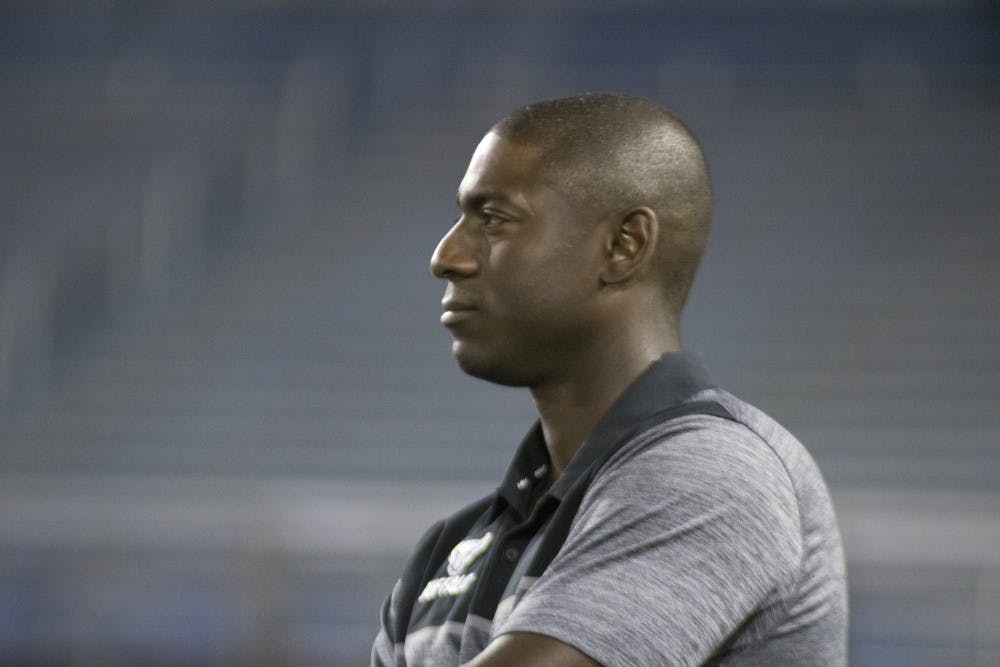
(477, 199)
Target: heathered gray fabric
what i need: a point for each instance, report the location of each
(703, 542)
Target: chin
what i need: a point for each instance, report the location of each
(488, 367)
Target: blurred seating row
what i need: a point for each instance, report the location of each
(228, 408)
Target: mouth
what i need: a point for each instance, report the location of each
(456, 312)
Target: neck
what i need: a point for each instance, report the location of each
(570, 408)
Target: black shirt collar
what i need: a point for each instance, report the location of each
(529, 468)
(669, 381)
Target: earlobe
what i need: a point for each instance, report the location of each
(629, 245)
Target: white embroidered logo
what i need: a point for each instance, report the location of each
(461, 557)
(466, 552)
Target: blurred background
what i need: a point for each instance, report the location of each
(227, 409)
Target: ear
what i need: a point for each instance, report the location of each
(629, 245)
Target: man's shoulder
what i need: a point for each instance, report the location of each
(709, 443)
(748, 437)
(744, 459)
(803, 473)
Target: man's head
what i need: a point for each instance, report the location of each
(583, 218)
(616, 152)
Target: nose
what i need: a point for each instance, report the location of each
(454, 256)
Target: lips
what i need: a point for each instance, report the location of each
(457, 311)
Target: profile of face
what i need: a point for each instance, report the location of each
(522, 264)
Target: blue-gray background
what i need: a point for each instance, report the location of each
(227, 409)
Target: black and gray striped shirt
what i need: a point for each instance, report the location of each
(690, 529)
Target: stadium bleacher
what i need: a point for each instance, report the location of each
(227, 409)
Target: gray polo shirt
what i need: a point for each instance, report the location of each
(690, 529)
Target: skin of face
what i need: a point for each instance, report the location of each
(522, 264)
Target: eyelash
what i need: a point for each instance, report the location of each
(491, 220)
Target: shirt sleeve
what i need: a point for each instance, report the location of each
(383, 649)
(676, 543)
(387, 649)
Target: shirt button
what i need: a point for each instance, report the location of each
(511, 554)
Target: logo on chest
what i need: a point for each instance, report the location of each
(458, 580)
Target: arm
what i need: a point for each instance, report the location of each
(527, 649)
(400, 601)
(383, 650)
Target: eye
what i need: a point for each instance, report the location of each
(491, 220)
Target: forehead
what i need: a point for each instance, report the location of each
(501, 166)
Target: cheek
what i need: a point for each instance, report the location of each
(534, 285)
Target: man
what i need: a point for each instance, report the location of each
(648, 518)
